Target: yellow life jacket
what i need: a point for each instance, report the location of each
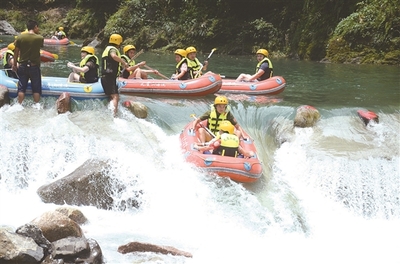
(6, 56)
(267, 74)
(110, 66)
(193, 65)
(214, 120)
(186, 76)
(229, 145)
(93, 73)
(131, 62)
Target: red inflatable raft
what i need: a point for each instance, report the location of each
(55, 41)
(368, 116)
(45, 56)
(238, 169)
(209, 83)
(271, 86)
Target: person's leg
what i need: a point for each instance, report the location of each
(36, 82)
(22, 82)
(115, 100)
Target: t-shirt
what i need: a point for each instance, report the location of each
(29, 46)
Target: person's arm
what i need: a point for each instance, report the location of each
(115, 57)
(183, 69)
(16, 55)
(254, 77)
(138, 65)
(199, 119)
(78, 69)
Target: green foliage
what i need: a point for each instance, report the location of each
(371, 32)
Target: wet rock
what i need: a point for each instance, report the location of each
(36, 234)
(63, 103)
(4, 96)
(55, 226)
(17, 248)
(306, 116)
(138, 109)
(73, 214)
(145, 247)
(6, 28)
(89, 184)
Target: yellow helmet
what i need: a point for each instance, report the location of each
(128, 48)
(221, 100)
(61, 28)
(190, 50)
(115, 39)
(11, 46)
(263, 52)
(180, 52)
(227, 126)
(88, 49)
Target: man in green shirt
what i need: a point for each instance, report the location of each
(27, 49)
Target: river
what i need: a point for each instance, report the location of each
(329, 194)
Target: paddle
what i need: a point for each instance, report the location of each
(149, 68)
(137, 54)
(206, 128)
(227, 77)
(55, 56)
(209, 56)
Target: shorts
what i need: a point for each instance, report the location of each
(26, 73)
(109, 83)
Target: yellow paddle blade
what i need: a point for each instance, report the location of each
(71, 42)
(55, 56)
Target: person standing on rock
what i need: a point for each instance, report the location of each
(27, 49)
(111, 61)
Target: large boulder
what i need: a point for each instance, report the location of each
(55, 226)
(89, 185)
(16, 248)
(6, 28)
(138, 109)
(306, 116)
(63, 103)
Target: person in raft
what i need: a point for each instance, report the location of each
(264, 69)
(194, 65)
(181, 69)
(27, 49)
(219, 112)
(60, 34)
(133, 71)
(110, 69)
(8, 61)
(88, 69)
(226, 143)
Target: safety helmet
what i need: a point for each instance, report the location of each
(128, 48)
(11, 46)
(190, 50)
(226, 126)
(221, 100)
(263, 52)
(88, 49)
(115, 39)
(61, 28)
(180, 52)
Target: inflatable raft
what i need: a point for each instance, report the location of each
(55, 41)
(368, 116)
(55, 86)
(271, 86)
(209, 83)
(45, 56)
(238, 169)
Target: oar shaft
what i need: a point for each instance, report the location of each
(162, 75)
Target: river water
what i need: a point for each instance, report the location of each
(329, 194)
